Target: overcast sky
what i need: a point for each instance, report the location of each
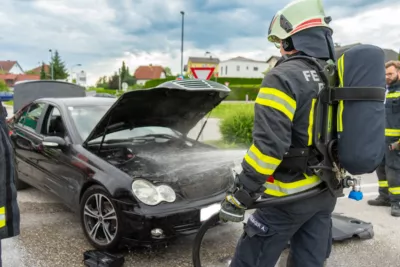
(99, 34)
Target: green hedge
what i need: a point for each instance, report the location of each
(155, 82)
(236, 81)
(239, 93)
(238, 127)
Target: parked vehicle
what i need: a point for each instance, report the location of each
(110, 160)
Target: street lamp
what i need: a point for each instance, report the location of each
(72, 69)
(51, 62)
(209, 53)
(183, 22)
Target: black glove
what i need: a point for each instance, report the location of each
(231, 210)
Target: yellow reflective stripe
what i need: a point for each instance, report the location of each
(392, 132)
(2, 217)
(394, 190)
(311, 122)
(330, 118)
(339, 117)
(280, 189)
(393, 95)
(261, 163)
(278, 100)
(383, 183)
(340, 67)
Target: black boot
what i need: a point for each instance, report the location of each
(395, 209)
(379, 201)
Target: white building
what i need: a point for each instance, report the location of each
(240, 67)
(272, 61)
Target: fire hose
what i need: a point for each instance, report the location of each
(263, 203)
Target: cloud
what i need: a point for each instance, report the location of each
(99, 34)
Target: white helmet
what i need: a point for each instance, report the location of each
(295, 17)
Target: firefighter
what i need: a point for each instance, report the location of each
(9, 211)
(283, 122)
(389, 171)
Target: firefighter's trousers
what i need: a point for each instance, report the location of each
(306, 224)
(389, 177)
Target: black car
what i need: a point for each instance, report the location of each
(125, 165)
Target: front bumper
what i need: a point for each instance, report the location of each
(175, 220)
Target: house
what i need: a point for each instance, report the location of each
(272, 60)
(241, 67)
(150, 72)
(10, 79)
(38, 69)
(389, 53)
(10, 66)
(196, 62)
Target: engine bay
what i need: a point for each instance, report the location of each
(135, 158)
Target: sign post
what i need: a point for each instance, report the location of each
(203, 73)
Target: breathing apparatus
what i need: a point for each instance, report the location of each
(297, 26)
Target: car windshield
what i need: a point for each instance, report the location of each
(86, 118)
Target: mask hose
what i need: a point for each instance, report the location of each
(263, 203)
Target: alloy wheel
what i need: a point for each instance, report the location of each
(100, 219)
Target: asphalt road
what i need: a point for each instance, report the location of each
(51, 235)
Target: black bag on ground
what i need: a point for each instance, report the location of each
(95, 258)
(361, 123)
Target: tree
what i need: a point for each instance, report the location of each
(42, 72)
(59, 69)
(102, 82)
(3, 86)
(113, 81)
(168, 71)
(123, 71)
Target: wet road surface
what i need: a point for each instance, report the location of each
(51, 236)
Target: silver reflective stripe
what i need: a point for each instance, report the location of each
(261, 163)
(292, 190)
(278, 100)
(2, 217)
(231, 214)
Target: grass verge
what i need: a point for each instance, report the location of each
(9, 103)
(224, 110)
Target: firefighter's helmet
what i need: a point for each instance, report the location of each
(295, 17)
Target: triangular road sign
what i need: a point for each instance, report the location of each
(202, 72)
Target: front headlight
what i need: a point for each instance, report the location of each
(152, 195)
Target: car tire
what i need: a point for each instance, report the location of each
(108, 234)
(19, 185)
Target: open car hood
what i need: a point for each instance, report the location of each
(179, 105)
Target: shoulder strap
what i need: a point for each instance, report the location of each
(327, 70)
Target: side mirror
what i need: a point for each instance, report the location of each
(53, 142)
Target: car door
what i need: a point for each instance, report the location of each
(26, 141)
(62, 176)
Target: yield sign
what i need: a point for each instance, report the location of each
(202, 73)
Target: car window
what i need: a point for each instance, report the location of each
(53, 123)
(30, 116)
